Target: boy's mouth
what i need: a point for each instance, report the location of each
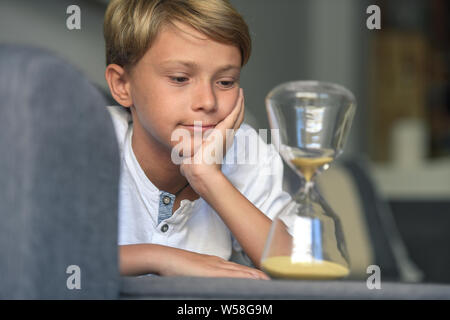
(198, 127)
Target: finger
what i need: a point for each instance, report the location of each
(264, 276)
(236, 274)
(227, 273)
(255, 272)
(230, 131)
(240, 118)
(230, 120)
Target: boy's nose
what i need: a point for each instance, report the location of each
(205, 98)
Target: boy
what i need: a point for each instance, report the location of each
(173, 64)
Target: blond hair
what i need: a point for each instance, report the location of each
(130, 26)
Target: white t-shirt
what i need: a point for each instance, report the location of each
(194, 226)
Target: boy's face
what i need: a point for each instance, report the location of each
(184, 77)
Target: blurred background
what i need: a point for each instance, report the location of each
(399, 75)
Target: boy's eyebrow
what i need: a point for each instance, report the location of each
(194, 65)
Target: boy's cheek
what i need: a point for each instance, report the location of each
(228, 109)
(226, 106)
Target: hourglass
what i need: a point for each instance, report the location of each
(306, 238)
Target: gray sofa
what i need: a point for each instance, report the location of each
(59, 173)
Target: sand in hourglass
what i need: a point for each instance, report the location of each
(308, 166)
(283, 267)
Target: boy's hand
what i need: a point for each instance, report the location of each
(187, 263)
(207, 160)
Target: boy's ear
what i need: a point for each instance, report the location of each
(119, 85)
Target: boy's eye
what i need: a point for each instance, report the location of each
(179, 80)
(226, 84)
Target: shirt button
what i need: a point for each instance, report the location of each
(166, 200)
(164, 228)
